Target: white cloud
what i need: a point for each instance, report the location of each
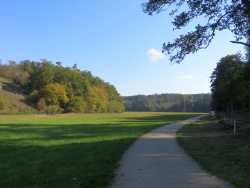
(154, 54)
(184, 76)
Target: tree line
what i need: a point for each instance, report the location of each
(53, 88)
(168, 102)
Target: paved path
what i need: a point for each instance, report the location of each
(157, 161)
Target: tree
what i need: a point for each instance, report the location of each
(55, 94)
(43, 75)
(232, 15)
(77, 104)
(97, 98)
(229, 87)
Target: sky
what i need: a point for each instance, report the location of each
(113, 39)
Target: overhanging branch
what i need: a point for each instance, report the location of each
(242, 43)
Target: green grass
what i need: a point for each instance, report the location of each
(218, 151)
(69, 151)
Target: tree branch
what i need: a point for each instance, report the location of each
(242, 43)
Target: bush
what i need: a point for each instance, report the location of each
(54, 109)
(33, 96)
(41, 105)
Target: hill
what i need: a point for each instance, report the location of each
(53, 88)
(168, 103)
(12, 101)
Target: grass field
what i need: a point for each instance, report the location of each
(218, 151)
(69, 151)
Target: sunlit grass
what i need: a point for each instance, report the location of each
(73, 150)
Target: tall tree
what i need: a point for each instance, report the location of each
(229, 87)
(216, 15)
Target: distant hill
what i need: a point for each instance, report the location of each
(168, 102)
(11, 100)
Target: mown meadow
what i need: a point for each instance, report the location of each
(70, 150)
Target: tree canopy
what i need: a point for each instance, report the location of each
(53, 88)
(215, 15)
(230, 83)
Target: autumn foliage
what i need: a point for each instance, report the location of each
(53, 88)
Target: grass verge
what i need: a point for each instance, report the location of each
(218, 151)
(70, 150)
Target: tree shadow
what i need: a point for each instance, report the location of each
(62, 166)
(79, 155)
(74, 155)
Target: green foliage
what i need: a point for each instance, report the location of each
(53, 109)
(98, 99)
(230, 85)
(169, 102)
(77, 104)
(33, 96)
(215, 15)
(55, 93)
(116, 106)
(68, 89)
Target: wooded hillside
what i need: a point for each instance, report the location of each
(169, 102)
(52, 88)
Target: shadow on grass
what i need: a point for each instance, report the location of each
(86, 156)
(218, 151)
(69, 165)
(70, 131)
(40, 155)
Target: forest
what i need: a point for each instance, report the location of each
(169, 103)
(53, 88)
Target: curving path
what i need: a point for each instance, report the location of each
(157, 161)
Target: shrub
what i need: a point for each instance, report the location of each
(54, 109)
(33, 96)
(41, 105)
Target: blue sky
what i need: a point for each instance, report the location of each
(113, 39)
